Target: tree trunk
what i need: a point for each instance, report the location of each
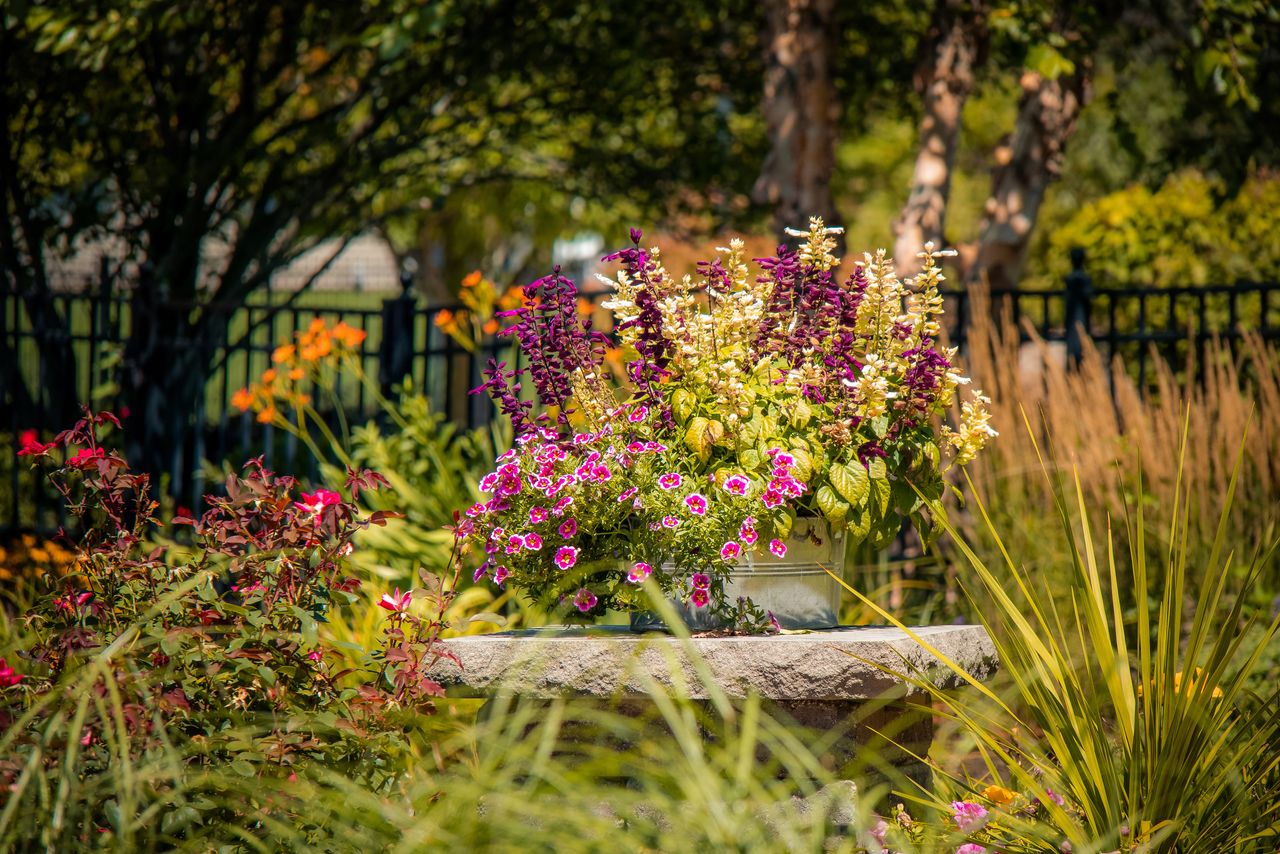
(800, 111)
(1027, 163)
(954, 48)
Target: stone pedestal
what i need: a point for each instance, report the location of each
(829, 683)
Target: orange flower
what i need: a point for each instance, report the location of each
(312, 352)
(584, 306)
(492, 326)
(297, 374)
(267, 415)
(444, 317)
(269, 376)
(998, 794)
(316, 327)
(283, 353)
(348, 335)
(242, 399)
(472, 279)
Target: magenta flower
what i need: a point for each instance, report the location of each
(655, 447)
(737, 484)
(585, 600)
(778, 547)
(532, 542)
(481, 571)
(489, 482)
(627, 493)
(700, 597)
(638, 414)
(771, 498)
(748, 535)
(730, 550)
(562, 505)
(500, 575)
(700, 580)
(569, 528)
(395, 602)
(315, 502)
(971, 848)
(639, 572)
(636, 447)
(670, 480)
(1055, 797)
(602, 473)
(514, 543)
(477, 510)
(670, 521)
(566, 556)
(537, 515)
(781, 458)
(8, 677)
(968, 816)
(696, 503)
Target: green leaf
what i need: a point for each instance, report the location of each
(701, 435)
(682, 404)
(803, 469)
(1047, 62)
(859, 525)
(749, 459)
(881, 489)
(831, 505)
(851, 481)
(801, 413)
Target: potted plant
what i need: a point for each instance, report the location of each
(766, 420)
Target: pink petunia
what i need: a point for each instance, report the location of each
(562, 505)
(730, 550)
(748, 535)
(585, 600)
(670, 480)
(636, 447)
(532, 542)
(670, 521)
(737, 484)
(771, 498)
(700, 580)
(569, 528)
(971, 848)
(500, 575)
(514, 544)
(489, 482)
(627, 494)
(700, 598)
(8, 678)
(696, 503)
(537, 515)
(968, 816)
(638, 414)
(778, 547)
(639, 572)
(566, 556)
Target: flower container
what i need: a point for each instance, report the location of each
(795, 588)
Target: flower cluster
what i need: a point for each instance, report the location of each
(481, 301)
(316, 348)
(750, 399)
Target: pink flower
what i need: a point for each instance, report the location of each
(670, 521)
(638, 414)
(7, 677)
(500, 575)
(514, 543)
(569, 528)
(395, 602)
(639, 572)
(771, 498)
(489, 482)
(696, 503)
(582, 438)
(477, 510)
(532, 542)
(968, 816)
(655, 447)
(480, 572)
(780, 458)
(730, 550)
(636, 447)
(778, 547)
(602, 473)
(315, 502)
(748, 535)
(585, 600)
(315, 655)
(30, 445)
(566, 556)
(737, 485)
(562, 505)
(971, 848)
(627, 493)
(1055, 797)
(700, 580)
(85, 456)
(670, 480)
(537, 515)
(700, 598)
(878, 832)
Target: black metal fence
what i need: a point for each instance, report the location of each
(404, 340)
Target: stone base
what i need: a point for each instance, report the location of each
(833, 685)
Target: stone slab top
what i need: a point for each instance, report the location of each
(611, 661)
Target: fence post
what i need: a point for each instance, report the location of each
(1079, 296)
(395, 350)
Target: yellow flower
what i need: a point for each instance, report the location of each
(998, 794)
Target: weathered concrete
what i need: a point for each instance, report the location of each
(833, 664)
(828, 683)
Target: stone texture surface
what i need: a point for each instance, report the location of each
(830, 665)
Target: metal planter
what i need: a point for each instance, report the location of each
(796, 588)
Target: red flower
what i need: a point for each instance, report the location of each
(7, 676)
(85, 456)
(395, 602)
(315, 502)
(30, 444)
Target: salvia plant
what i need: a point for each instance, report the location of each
(752, 399)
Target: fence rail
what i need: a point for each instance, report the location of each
(404, 341)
